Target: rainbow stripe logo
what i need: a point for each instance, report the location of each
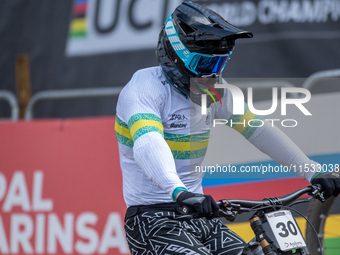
(78, 27)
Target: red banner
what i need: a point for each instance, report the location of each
(61, 188)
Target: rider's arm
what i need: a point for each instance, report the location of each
(273, 142)
(154, 156)
(144, 104)
(267, 138)
(279, 147)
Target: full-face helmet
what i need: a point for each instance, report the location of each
(195, 42)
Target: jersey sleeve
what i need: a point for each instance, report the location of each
(140, 109)
(266, 137)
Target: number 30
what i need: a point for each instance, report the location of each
(285, 232)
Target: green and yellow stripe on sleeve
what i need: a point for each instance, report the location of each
(138, 125)
(122, 133)
(142, 123)
(187, 146)
(241, 122)
(182, 146)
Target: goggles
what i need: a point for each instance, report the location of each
(205, 65)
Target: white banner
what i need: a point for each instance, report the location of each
(102, 26)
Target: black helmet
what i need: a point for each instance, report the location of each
(195, 42)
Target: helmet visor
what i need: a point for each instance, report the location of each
(206, 65)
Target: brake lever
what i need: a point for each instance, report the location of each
(321, 197)
(230, 210)
(317, 193)
(229, 215)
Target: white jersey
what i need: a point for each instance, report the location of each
(162, 135)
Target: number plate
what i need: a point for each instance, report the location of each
(285, 229)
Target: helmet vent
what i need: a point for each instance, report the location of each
(200, 44)
(217, 25)
(186, 28)
(214, 23)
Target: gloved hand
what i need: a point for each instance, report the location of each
(204, 205)
(330, 183)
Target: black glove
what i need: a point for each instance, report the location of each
(204, 205)
(330, 183)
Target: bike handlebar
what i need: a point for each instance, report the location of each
(284, 200)
(230, 208)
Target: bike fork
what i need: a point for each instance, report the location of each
(256, 225)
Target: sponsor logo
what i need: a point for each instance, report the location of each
(180, 249)
(178, 117)
(293, 244)
(181, 125)
(279, 214)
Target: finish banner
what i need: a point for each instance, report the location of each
(61, 188)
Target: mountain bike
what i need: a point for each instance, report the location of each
(276, 231)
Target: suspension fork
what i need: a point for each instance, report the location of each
(261, 237)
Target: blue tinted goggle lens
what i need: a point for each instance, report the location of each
(205, 65)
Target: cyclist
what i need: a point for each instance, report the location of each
(162, 135)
